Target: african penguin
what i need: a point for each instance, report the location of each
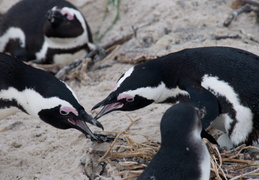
(182, 155)
(223, 80)
(40, 95)
(46, 31)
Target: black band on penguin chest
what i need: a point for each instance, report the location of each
(51, 52)
(5, 104)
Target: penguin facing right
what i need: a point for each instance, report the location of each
(45, 31)
(182, 155)
(41, 95)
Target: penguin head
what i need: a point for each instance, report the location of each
(181, 121)
(138, 87)
(64, 22)
(58, 106)
(65, 116)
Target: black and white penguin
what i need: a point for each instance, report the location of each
(47, 31)
(41, 95)
(224, 80)
(182, 155)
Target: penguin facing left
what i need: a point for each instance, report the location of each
(224, 80)
(41, 95)
(182, 155)
(46, 31)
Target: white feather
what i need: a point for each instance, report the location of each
(32, 101)
(244, 115)
(158, 94)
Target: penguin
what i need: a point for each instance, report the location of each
(223, 80)
(41, 95)
(182, 155)
(45, 31)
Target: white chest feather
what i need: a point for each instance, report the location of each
(244, 116)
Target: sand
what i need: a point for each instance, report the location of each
(35, 150)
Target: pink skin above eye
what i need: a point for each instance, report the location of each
(69, 16)
(124, 96)
(69, 110)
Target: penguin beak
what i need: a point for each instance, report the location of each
(81, 123)
(86, 117)
(110, 104)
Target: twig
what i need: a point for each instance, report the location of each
(116, 138)
(247, 147)
(65, 70)
(242, 175)
(219, 37)
(237, 160)
(244, 9)
(118, 41)
(228, 153)
(252, 2)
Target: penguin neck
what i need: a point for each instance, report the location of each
(168, 90)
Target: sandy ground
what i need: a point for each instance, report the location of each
(35, 150)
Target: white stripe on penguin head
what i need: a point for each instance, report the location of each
(126, 75)
(32, 101)
(158, 94)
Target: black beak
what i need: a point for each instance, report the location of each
(102, 103)
(108, 100)
(81, 125)
(110, 104)
(87, 118)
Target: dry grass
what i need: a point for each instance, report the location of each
(129, 157)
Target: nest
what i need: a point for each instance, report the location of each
(129, 158)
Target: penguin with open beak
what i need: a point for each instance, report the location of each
(223, 80)
(41, 95)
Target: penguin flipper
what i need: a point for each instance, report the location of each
(201, 98)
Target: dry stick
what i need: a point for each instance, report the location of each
(131, 133)
(234, 14)
(116, 138)
(237, 160)
(242, 175)
(220, 161)
(252, 2)
(247, 147)
(229, 153)
(114, 50)
(214, 168)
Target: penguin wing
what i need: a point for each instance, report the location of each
(201, 98)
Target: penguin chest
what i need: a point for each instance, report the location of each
(235, 118)
(61, 50)
(66, 58)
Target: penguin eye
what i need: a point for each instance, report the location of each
(130, 99)
(66, 110)
(63, 112)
